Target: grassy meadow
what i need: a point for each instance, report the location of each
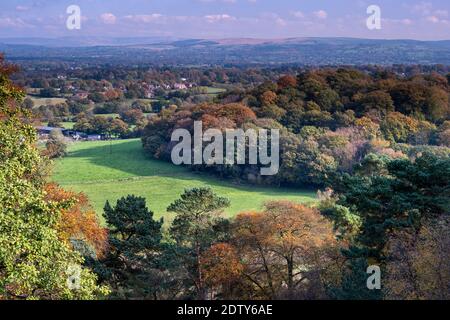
(109, 170)
(38, 101)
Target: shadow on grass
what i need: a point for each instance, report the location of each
(128, 156)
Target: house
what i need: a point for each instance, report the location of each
(81, 95)
(75, 135)
(95, 137)
(46, 130)
(180, 86)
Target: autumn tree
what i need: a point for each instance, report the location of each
(286, 250)
(79, 224)
(287, 81)
(118, 128)
(56, 146)
(418, 263)
(222, 271)
(236, 112)
(398, 127)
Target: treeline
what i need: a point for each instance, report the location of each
(330, 120)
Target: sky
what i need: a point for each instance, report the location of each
(218, 19)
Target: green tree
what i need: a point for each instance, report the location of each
(408, 194)
(135, 239)
(34, 262)
(196, 227)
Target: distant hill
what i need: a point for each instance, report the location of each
(238, 51)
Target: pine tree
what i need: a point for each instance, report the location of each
(135, 246)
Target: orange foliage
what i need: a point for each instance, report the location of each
(113, 94)
(268, 97)
(236, 112)
(418, 267)
(284, 223)
(80, 221)
(211, 122)
(287, 81)
(369, 128)
(221, 265)
(276, 243)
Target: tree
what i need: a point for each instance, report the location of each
(437, 105)
(286, 250)
(378, 100)
(398, 127)
(79, 224)
(34, 262)
(48, 93)
(196, 227)
(222, 270)
(236, 112)
(118, 128)
(287, 81)
(418, 263)
(268, 97)
(28, 103)
(96, 97)
(403, 199)
(56, 146)
(134, 241)
(131, 116)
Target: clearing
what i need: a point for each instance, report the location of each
(107, 170)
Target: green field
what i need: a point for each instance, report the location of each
(46, 101)
(65, 125)
(108, 171)
(214, 91)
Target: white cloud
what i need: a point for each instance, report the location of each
(298, 14)
(321, 14)
(407, 22)
(433, 19)
(22, 8)
(108, 18)
(441, 13)
(423, 8)
(144, 18)
(12, 22)
(218, 17)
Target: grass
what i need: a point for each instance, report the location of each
(68, 125)
(65, 125)
(212, 90)
(110, 170)
(46, 101)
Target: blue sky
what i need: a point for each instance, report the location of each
(412, 19)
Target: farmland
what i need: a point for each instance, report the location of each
(109, 170)
(38, 101)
